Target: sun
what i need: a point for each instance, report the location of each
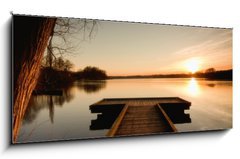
(192, 65)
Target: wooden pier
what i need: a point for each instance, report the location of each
(138, 116)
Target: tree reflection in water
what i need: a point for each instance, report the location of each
(39, 102)
(91, 86)
(211, 85)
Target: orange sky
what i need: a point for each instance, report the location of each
(123, 48)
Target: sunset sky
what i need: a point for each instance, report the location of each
(123, 48)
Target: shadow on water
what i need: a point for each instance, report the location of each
(176, 114)
(93, 86)
(40, 102)
(106, 116)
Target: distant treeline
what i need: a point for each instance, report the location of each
(209, 74)
(218, 75)
(52, 78)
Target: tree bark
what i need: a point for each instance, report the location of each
(30, 39)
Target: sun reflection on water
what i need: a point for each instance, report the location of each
(193, 87)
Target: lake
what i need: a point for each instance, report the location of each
(66, 117)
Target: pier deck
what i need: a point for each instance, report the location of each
(140, 116)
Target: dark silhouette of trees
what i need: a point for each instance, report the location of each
(68, 65)
(92, 73)
(211, 73)
(52, 79)
(30, 39)
(63, 65)
(210, 70)
(59, 63)
(56, 77)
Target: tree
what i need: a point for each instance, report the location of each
(210, 70)
(59, 63)
(30, 39)
(32, 35)
(62, 65)
(67, 65)
(93, 73)
(63, 39)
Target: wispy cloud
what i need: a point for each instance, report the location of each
(216, 52)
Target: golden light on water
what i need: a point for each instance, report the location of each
(193, 88)
(192, 65)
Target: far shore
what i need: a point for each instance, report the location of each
(217, 75)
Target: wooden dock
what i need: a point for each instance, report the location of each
(138, 116)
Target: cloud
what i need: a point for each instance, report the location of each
(216, 52)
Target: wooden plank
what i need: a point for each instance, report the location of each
(140, 120)
(117, 122)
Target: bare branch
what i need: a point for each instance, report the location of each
(67, 36)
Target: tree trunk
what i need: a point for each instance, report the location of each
(49, 57)
(30, 39)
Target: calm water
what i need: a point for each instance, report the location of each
(69, 117)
